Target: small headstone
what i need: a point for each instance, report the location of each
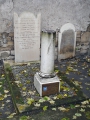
(66, 42)
(89, 50)
(27, 37)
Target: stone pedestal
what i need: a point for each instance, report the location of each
(46, 86)
(46, 82)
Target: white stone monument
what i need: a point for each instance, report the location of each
(46, 81)
(66, 41)
(27, 37)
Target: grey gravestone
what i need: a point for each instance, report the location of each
(89, 50)
(67, 44)
(27, 37)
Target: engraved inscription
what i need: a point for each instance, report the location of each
(27, 35)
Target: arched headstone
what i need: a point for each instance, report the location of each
(66, 41)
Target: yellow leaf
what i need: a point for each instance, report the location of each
(30, 101)
(52, 101)
(65, 95)
(21, 108)
(1, 97)
(45, 108)
(3, 75)
(11, 116)
(23, 88)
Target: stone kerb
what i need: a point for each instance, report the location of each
(64, 28)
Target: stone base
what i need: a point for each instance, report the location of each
(46, 86)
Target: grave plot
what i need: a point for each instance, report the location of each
(25, 96)
(77, 70)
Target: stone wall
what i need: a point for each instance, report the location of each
(55, 13)
(82, 42)
(7, 44)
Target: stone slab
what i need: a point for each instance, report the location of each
(27, 37)
(66, 42)
(46, 86)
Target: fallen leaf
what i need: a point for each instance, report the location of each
(21, 108)
(46, 98)
(41, 100)
(1, 97)
(52, 101)
(7, 101)
(77, 105)
(17, 82)
(30, 101)
(45, 108)
(63, 109)
(54, 109)
(37, 104)
(78, 114)
(85, 102)
(11, 116)
(65, 95)
(6, 91)
(24, 88)
(82, 110)
(74, 117)
(24, 118)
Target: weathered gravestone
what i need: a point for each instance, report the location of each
(27, 37)
(89, 49)
(66, 42)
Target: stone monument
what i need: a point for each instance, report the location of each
(66, 41)
(89, 50)
(27, 37)
(46, 81)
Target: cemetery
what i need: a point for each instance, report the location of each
(44, 60)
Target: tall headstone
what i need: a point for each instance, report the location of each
(27, 37)
(66, 42)
(46, 81)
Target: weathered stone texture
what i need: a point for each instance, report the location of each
(55, 13)
(6, 16)
(85, 37)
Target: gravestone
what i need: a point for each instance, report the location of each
(66, 42)
(27, 37)
(89, 49)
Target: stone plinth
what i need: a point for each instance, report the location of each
(46, 86)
